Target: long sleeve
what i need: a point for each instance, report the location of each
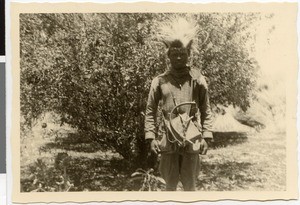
(205, 110)
(151, 109)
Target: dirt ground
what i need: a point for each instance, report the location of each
(236, 161)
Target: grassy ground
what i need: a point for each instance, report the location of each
(245, 162)
(236, 161)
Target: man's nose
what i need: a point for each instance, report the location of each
(178, 57)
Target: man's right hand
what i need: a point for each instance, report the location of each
(154, 147)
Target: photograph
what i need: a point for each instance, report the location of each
(154, 101)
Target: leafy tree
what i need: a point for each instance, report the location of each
(225, 58)
(95, 69)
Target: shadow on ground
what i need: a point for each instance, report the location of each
(73, 142)
(225, 176)
(223, 139)
(85, 174)
(99, 175)
(113, 174)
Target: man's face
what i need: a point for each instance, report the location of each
(178, 57)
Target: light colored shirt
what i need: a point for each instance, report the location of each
(186, 87)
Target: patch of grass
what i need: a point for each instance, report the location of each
(256, 164)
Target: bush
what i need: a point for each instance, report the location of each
(95, 70)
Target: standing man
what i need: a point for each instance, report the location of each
(179, 84)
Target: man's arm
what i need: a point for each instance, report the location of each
(205, 110)
(151, 109)
(206, 116)
(150, 115)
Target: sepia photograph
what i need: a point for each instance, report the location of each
(154, 101)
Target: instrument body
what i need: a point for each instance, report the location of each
(182, 126)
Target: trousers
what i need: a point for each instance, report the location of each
(184, 167)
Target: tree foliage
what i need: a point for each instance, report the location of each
(95, 70)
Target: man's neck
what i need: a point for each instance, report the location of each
(178, 72)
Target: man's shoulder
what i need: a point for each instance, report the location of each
(163, 75)
(197, 75)
(160, 78)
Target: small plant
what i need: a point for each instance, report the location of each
(49, 179)
(62, 161)
(39, 179)
(150, 182)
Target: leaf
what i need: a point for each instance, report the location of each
(161, 180)
(141, 170)
(136, 174)
(35, 181)
(151, 170)
(136, 178)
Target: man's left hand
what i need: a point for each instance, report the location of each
(203, 147)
